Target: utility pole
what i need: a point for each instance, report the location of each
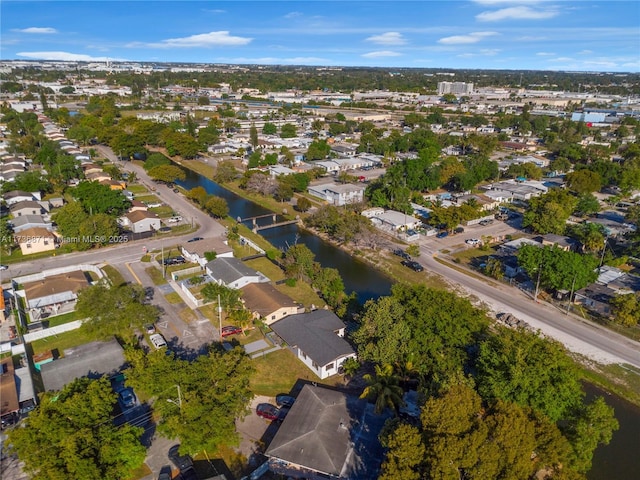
(573, 284)
(220, 316)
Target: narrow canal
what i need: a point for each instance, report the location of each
(617, 461)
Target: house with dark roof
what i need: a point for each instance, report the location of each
(317, 340)
(16, 196)
(561, 241)
(328, 434)
(233, 273)
(264, 301)
(30, 221)
(92, 360)
(596, 298)
(26, 207)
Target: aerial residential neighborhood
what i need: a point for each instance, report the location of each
(297, 269)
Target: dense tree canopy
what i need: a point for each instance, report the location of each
(548, 213)
(114, 310)
(558, 269)
(523, 368)
(97, 198)
(432, 328)
(167, 173)
(213, 392)
(71, 434)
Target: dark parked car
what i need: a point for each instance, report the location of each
(230, 330)
(183, 462)
(188, 474)
(268, 411)
(195, 239)
(413, 265)
(442, 234)
(174, 260)
(401, 253)
(165, 473)
(148, 293)
(126, 398)
(285, 400)
(459, 230)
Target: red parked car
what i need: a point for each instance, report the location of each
(268, 411)
(230, 330)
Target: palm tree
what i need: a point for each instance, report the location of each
(384, 387)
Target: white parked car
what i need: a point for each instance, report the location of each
(472, 241)
(158, 340)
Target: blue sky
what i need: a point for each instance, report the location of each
(493, 34)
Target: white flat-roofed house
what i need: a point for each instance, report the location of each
(392, 221)
(277, 170)
(338, 195)
(195, 252)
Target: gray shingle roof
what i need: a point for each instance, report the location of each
(91, 360)
(229, 269)
(314, 334)
(330, 432)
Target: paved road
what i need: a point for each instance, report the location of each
(578, 335)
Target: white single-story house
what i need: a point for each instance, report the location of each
(392, 221)
(140, 221)
(195, 252)
(233, 273)
(317, 340)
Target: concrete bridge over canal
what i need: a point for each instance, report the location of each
(274, 221)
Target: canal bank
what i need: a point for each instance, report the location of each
(369, 283)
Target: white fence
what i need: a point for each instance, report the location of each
(57, 271)
(50, 332)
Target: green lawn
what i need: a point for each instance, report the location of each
(173, 298)
(63, 341)
(114, 276)
(278, 371)
(156, 275)
(267, 267)
(302, 293)
(64, 318)
(137, 189)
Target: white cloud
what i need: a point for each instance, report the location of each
(585, 52)
(545, 54)
(216, 11)
(530, 38)
(474, 37)
(211, 39)
(389, 38)
(38, 30)
(293, 15)
(278, 61)
(516, 13)
(64, 56)
(502, 2)
(381, 53)
(484, 52)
